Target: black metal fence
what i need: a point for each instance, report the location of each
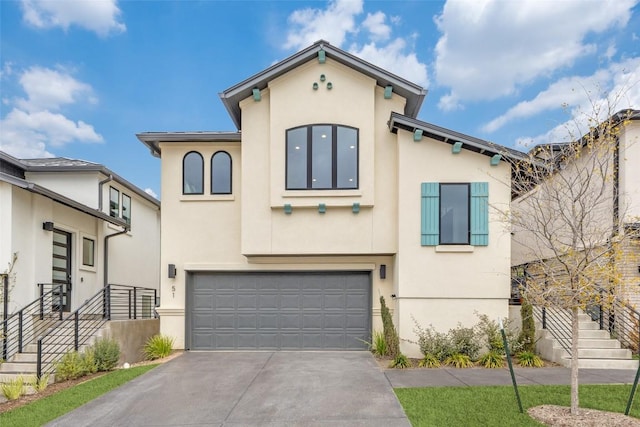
(113, 302)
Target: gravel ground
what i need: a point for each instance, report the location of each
(553, 415)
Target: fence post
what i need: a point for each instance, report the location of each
(5, 314)
(75, 331)
(61, 300)
(135, 302)
(39, 361)
(544, 318)
(129, 305)
(41, 287)
(20, 331)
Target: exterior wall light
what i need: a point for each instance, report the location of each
(48, 226)
(172, 271)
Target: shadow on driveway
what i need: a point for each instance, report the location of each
(250, 388)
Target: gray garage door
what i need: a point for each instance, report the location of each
(286, 311)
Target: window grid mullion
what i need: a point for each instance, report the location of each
(309, 157)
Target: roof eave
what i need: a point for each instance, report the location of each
(399, 121)
(413, 93)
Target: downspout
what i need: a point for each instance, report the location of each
(100, 184)
(106, 255)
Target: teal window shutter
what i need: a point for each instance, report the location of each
(430, 218)
(480, 213)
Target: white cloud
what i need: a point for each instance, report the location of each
(35, 122)
(394, 57)
(339, 22)
(99, 16)
(597, 96)
(489, 48)
(332, 24)
(51, 89)
(375, 23)
(150, 192)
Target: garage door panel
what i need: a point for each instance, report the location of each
(288, 311)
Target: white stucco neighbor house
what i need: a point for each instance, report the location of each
(76, 224)
(285, 233)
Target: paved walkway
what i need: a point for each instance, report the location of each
(524, 376)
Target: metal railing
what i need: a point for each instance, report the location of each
(619, 318)
(113, 302)
(23, 326)
(557, 322)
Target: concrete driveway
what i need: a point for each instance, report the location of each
(250, 388)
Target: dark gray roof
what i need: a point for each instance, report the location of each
(153, 139)
(413, 93)
(63, 164)
(399, 121)
(59, 198)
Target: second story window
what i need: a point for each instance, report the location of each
(126, 208)
(192, 173)
(322, 157)
(114, 202)
(221, 173)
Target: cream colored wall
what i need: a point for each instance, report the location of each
(79, 186)
(33, 244)
(445, 285)
(630, 171)
(134, 257)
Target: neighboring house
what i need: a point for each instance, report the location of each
(618, 210)
(285, 233)
(77, 224)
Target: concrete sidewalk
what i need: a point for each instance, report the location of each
(448, 377)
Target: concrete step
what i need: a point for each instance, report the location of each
(602, 363)
(25, 367)
(604, 353)
(24, 357)
(598, 343)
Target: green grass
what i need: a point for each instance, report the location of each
(497, 405)
(49, 408)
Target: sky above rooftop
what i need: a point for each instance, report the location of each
(79, 79)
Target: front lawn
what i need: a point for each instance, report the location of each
(497, 405)
(51, 407)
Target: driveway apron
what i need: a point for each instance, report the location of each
(250, 388)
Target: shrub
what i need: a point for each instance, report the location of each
(465, 341)
(39, 384)
(157, 347)
(75, 365)
(432, 342)
(429, 361)
(492, 359)
(400, 362)
(379, 345)
(529, 359)
(389, 331)
(107, 353)
(458, 360)
(14, 388)
(489, 330)
(528, 334)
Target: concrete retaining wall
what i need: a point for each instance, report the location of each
(132, 335)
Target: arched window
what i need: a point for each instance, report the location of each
(221, 173)
(192, 173)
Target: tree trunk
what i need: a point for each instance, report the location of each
(575, 403)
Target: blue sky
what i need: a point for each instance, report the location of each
(80, 78)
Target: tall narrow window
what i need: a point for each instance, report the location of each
(88, 252)
(322, 157)
(454, 214)
(114, 202)
(192, 173)
(221, 173)
(126, 208)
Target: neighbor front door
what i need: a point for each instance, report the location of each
(61, 273)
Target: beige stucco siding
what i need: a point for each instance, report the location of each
(291, 101)
(444, 285)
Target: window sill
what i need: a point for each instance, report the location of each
(207, 197)
(322, 193)
(455, 248)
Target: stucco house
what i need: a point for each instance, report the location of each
(331, 193)
(76, 224)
